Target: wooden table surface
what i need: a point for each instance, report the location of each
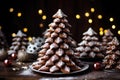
(23, 72)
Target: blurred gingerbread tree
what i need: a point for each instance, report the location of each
(108, 36)
(57, 52)
(90, 46)
(19, 43)
(112, 58)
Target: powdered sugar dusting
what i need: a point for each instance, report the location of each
(90, 32)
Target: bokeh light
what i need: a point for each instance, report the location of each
(111, 19)
(25, 29)
(19, 14)
(13, 34)
(29, 38)
(87, 14)
(44, 17)
(41, 25)
(113, 26)
(99, 16)
(77, 16)
(92, 9)
(90, 21)
(11, 10)
(40, 11)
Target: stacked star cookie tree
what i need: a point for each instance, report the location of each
(90, 46)
(108, 36)
(112, 59)
(19, 43)
(55, 55)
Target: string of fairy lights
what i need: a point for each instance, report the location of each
(77, 16)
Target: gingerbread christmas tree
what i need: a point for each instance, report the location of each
(19, 43)
(112, 59)
(89, 47)
(57, 52)
(108, 36)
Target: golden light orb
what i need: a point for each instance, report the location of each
(13, 34)
(77, 16)
(92, 9)
(99, 16)
(105, 31)
(101, 33)
(25, 29)
(113, 26)
(44, 17)
(87, 14)
(19, 14)
(90, 21)
(100, 29)
(11, 10)
(40, 11)
(29, 38)
(119, 32)
(111, 19)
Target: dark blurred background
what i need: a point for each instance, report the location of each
(33, 16)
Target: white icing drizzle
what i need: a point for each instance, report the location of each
(54, 68)
(60, 64)
(66, 58)
(90, 32)
(80, 49)
(66, 69)
(54, 58)
(52, 25)
(20, 34)
(59, 14)
(42, 51)
(83, 54)
(115, 41)
(49, 40)
(53, 46)
(96, 49)
(46, 45)
(65, 20)
(65, 46)
(94, 38)
(87, 49)
(56, 20)
(49, 52)
(82, 43)
(58, 40)
(49, 63)
(92, 54)
(58, 30)
(44, 68)
(54, 34)
(63, 35)
(60, 52)
(108, 33)
(61, 25)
